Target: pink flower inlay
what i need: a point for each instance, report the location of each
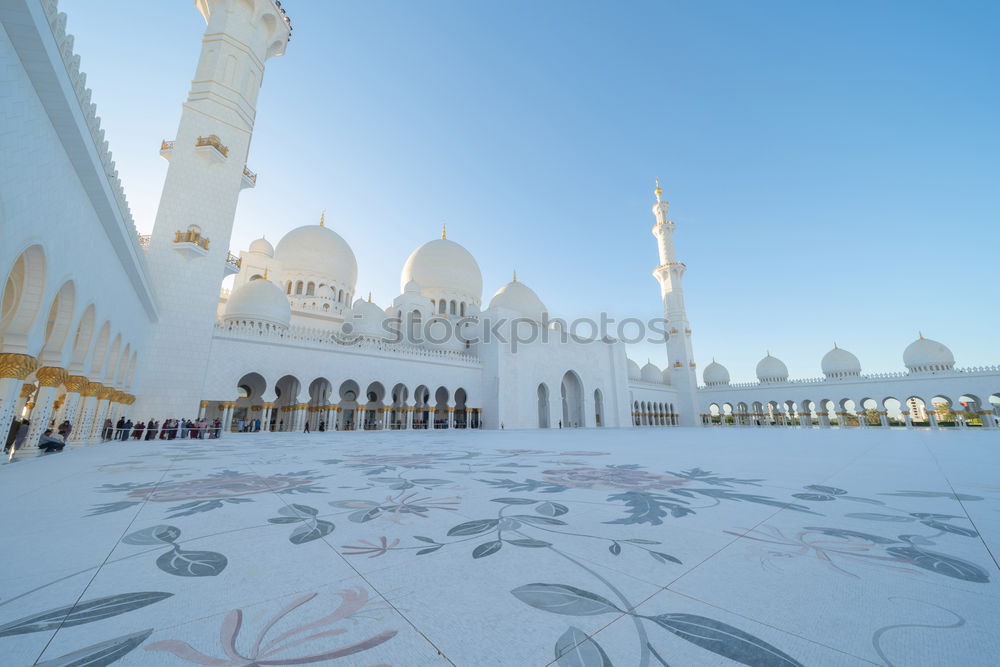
(612, 478)
(267, 651)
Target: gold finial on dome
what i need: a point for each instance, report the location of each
(921, 334)
(835, 345)
(658, 191)
(369, 297)
(444, 230)
(322, 218)
(265, 273)
(515, 275)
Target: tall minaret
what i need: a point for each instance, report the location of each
(670, 274)
(189, 248)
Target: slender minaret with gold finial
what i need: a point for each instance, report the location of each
(670, 275)
(188, 253)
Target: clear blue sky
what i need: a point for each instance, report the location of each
(833, 168)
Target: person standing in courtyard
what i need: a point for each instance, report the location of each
(65, 429)
(119, 427)
(126, 430)
(19, 438)
(307, 426)
(140, 428)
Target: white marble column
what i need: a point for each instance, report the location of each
(50, 378)
(265, 420)
(101, 411)
(14, 368)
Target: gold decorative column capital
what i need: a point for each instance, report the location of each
(51, 376)
(75, 383)
(203, 404)
(17, 366)
(91, 389)
(27, 390)
(105, 393)
(268, 405)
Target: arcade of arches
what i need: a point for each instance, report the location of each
(347, 406)
(937, 411)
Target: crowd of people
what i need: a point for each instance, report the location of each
(54, 439)
(169, 429)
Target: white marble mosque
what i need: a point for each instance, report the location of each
(435, 513)
(99, 322)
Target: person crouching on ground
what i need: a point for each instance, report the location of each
(51, 442)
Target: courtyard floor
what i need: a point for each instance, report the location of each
(588, 548)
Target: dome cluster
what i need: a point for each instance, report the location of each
(921, 356)
(314, 272)
(650, 373)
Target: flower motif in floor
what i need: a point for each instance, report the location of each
(612, 478)
(279, 650)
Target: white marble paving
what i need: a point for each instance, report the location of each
(572, 548)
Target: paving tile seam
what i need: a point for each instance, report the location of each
(962, 505)
(99, 568)
(370, 584)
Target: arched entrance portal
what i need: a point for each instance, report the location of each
(543, 406)
(572, 400)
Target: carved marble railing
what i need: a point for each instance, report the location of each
(57, 21)
(327, 338)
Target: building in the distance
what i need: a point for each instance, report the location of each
(97, 323)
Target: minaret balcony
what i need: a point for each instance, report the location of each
(249, 179)
(232, 264)
(166, 149)
(211, 148)
(191, 242)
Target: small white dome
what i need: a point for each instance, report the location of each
(262, 246)
(926, 356)
(320, 251)
(666, 375)
(521, 299)
(633, 370)
(444, 266)
(838, 363)
(412, 287)
(651, 373)
(258, 301)
(715, 375)
(366, 320)
(771, 369)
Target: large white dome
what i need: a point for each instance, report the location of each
(838, 363)
(320, 251)
(444, 266)
(925, 356)
(521, 299)
(258, 301)
(262, 246)
(634, 373)
(771, 369)
(715, 374)
(651, 373)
